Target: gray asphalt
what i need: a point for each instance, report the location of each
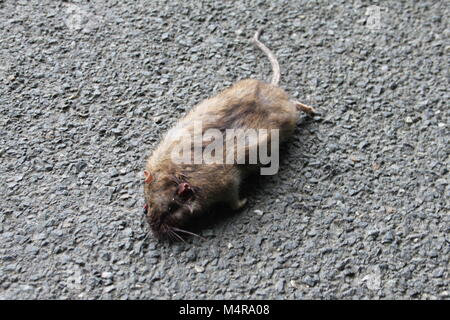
(359, 209)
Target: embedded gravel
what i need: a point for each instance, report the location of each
(359, 209)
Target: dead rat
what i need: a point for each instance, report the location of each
(175, 191)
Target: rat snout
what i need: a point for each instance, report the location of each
(159, 222)
(170, 226)
(158, 228)
(164, 226)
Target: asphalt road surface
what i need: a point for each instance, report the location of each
(359, 208)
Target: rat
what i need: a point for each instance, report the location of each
(175, 191)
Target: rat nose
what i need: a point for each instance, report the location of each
(145, 209)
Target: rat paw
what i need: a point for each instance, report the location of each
(305, 108)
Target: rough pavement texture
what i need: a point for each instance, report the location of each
(359, 208)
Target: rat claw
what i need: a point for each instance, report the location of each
(239, 204)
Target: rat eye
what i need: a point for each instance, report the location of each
(172, 207)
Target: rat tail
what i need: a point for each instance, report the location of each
(273, 60)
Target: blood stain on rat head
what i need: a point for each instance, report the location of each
(169, 204)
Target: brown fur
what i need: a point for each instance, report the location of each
(248, 104)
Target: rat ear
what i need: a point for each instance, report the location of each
(147, 177)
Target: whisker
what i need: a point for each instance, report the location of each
(177, 235)
(188, 232)
(169, 236)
